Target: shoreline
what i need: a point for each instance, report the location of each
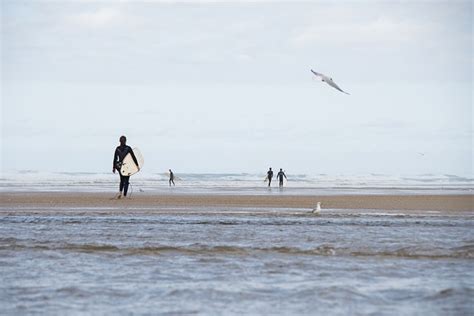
(446, 204)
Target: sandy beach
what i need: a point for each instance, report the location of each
(68, 252)
(452, 204)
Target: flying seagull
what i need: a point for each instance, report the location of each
(328, 80)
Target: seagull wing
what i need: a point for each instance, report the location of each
(335, 86)
(317, 74)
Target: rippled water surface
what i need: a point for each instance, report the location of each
(250, 263)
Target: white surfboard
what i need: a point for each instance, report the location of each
(128, 165)
(167, 174)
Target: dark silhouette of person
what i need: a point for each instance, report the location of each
(280, 176)
(171, 177)
(269, 176)
(120, 153)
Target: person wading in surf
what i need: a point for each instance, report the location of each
(280, 176)
(269, 176)
(171, 177)
(120, 153)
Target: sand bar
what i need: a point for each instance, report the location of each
(401, 203)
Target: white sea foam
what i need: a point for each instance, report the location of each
(28, 180)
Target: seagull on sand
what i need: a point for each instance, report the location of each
(328, 80)
(317, 210)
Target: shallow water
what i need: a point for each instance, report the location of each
(281, 262)
(237, 183)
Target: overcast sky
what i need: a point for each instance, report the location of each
(225, 86)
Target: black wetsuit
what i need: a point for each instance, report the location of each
(120, 153)
(171, 178)
(280, 176)
(269, 177)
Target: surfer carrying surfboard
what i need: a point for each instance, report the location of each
(120, 153)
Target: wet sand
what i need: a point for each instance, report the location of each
(80, 253)
(449, 204)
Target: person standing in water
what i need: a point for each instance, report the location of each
(120, 153)
(280, 176)
(171, 177)
(269, 176)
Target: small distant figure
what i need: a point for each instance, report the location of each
(269, 176)
(171, 177)
(280, 176)
(317, 210)
(120, 153)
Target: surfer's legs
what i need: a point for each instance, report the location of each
(281, 182)
(121, 182)
(269, 181)
(125, 185)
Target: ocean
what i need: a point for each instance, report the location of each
(263, 263)
(90, 260)
(238, 183)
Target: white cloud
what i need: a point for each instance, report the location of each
(180, 1)
(379, 30)
(244, 57)
(99, 18)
